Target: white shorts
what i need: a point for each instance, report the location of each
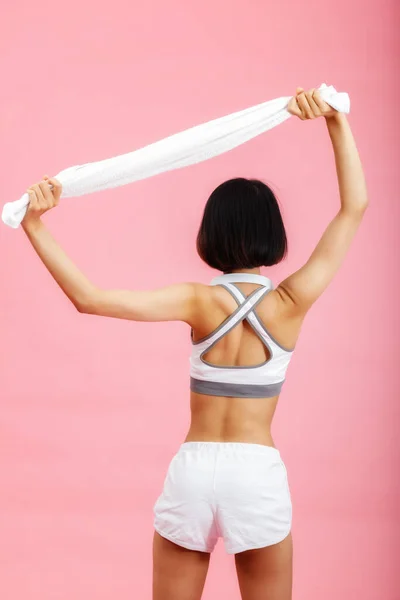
(235, 491)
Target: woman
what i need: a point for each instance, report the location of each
(228, 480)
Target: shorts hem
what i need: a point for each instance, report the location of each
(186, 545)
(239, 549)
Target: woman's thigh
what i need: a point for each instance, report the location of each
(266, 574)
(178, 574)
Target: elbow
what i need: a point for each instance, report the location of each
(80, 307)
(87, 305)
(364, 205)
(357, 210)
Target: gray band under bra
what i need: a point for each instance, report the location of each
(235, 390)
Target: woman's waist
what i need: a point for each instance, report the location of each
(231, 419)
(257, 437)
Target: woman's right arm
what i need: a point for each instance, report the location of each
(301, 289)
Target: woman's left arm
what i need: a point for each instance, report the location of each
(172, 303)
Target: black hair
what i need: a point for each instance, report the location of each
(242, 227)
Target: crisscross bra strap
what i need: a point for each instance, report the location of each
(252, 316)
(244, 309)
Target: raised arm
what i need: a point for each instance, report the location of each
(173, 303)
(302, 288)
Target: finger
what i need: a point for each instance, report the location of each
(313, 105)
(33, 202)
(40, 197)
(322, 105)
(294, 109)
(57, 188)
(46, 178)
(47, 193)
(299, 105)
(304, 106)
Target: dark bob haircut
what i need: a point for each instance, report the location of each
(242, 227)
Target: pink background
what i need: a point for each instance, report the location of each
(92, 409)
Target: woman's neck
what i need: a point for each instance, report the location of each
(255, 271)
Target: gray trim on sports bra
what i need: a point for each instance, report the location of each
(235, 390)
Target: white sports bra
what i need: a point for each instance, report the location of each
(261, 381)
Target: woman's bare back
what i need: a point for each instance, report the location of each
(217, 418)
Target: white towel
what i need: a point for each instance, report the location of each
(180, 150)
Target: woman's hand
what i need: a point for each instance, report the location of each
(43, 196)
(309, 105)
